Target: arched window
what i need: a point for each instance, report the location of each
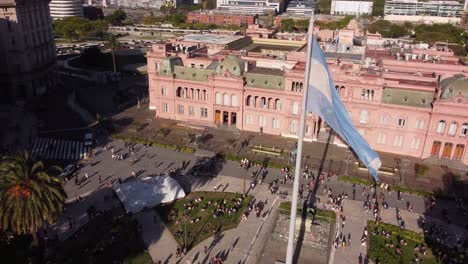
(342, 91)
(179, 92)
(293, 86)
(441, 127)
(371, 95)
(218, 98)
(263, 102)
(192, 93)
(367, 94)
(277, 104)
(205, 95)
(363, 94)
(295, 109)
(225, 99)
(248, 100)
(234, 100)
(255, 101)
(464, 129)
(301, 86)
(197, 94)
(185, 93)
(452, 129)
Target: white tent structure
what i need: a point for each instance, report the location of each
(148, 192)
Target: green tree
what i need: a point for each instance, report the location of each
(117, 18)
(378, 7)
(100, 27)
(302, 25)
(177, 18)
(113, 44)
(29, 194)
(71, 27)
(287, 25)
(324, 6)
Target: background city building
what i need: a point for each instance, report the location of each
(66, 8)
(220, 18)
(354, 8)
(402, 99)
(258, 7)
(419, 11)
(27, 50)
(301, 7)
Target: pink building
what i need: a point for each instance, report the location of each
(402, 100)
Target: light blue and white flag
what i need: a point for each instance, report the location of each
(324, 100)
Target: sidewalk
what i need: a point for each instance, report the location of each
(233, 246)
(356, 220)
(335, 159)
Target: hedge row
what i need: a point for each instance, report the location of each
(154, 143)
(392, 187)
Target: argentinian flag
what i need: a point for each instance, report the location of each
(324, 100)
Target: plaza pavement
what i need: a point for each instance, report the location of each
(153, 161)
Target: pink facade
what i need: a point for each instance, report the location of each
(399, 106)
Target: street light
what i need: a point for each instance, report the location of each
(245, 164)
(403, 163)
(348, 156)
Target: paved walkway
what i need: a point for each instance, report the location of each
(222, 138)
(356, 221)
(153, 161)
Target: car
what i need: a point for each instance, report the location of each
(88, 139)
(68, 171)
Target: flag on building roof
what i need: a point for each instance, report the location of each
(323, 99)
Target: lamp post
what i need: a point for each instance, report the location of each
(185, 228)
(403, 163)
(348, 156)
(245, 164)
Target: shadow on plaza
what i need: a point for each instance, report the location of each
(98, 225)
(201, 173)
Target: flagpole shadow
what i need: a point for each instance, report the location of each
(309, 202)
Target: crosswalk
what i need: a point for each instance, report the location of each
(59, 149)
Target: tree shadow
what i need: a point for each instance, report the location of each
(108, 235)
(202, 172)
(445, 221)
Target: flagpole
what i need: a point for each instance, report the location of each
(292, 219)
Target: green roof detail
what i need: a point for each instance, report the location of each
(453, 86)
(232, 64)
(192, 74)
(167, 65)
(264, 81)
(407, 98)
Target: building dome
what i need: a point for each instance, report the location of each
(65, 8)
(453, 86)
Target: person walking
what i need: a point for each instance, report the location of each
(100, 179)
(86, 175)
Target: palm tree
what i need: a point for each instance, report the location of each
(29, 195)
(113, 44)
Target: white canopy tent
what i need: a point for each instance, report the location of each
(148, 192)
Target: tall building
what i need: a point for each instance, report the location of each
(419, 11)
(402, 100)
(66, 8)
(254, 7)
(346, 7)
(27, 50)
(301, 7)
